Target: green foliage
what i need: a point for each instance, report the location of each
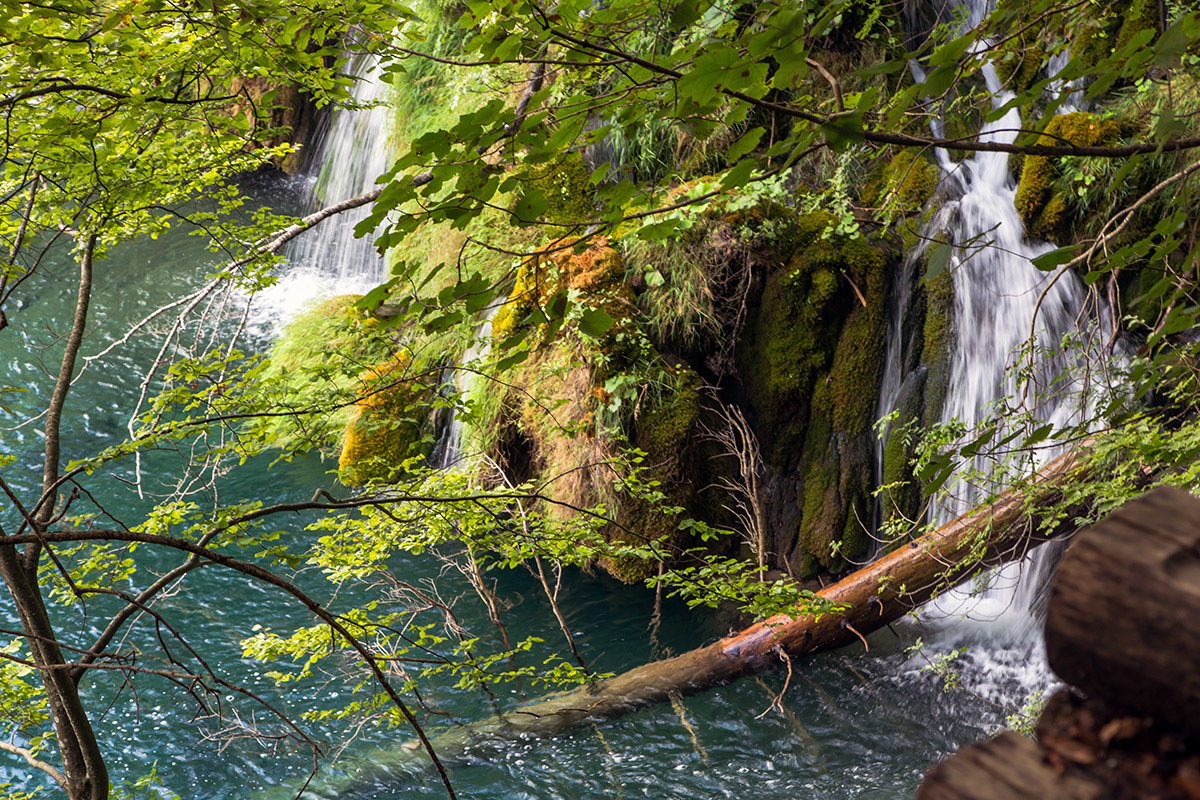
(316, 361)
(1026, 719)
(615, 285)
(22, 701)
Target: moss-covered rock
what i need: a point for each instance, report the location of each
(595, 273)
(1047, 215)
(1019, 64)
(527, 296)
(839, 443)
(317, 359)
(810, 362)
(1114, 25)
(386, 426)
(565, 187)
(666, 431)
(908, 180)
(938, 339)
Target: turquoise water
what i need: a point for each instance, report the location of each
(852, 724)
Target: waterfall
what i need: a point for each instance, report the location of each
(461, 381)
(348, 156)
(1011, 321)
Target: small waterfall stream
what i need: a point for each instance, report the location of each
(1022, 338)
(348, 155)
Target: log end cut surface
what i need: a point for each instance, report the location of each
(1009, 767)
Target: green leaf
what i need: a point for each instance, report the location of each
(374, 298)
(844, 130)
(595, 322)
(531, 206)
(1171, 45)
(511, 360)
(1049, 261)
(939, 259)
(748, 141)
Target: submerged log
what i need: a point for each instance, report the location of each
(870, 598)
(1124, 615)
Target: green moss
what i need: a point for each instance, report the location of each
(314, 362)
(387, 423)
(910, 178)
(814, 360)
(1137, 16)
(1047, 215)
(664, 432)
(1018, 64)
(1116, 23)
(938, 343)
(795, 332)
(838, 465)
(855, 373)
(527, 295)
(566, 188)
(664, 429)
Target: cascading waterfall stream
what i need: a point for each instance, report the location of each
(349, 155)
(1022, 342)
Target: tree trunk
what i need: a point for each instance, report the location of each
(83, 769)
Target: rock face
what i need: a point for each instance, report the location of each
(292, 117)
(810, 362)
(786, 328)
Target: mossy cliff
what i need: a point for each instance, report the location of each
(810, 363)
(318, 359)
(805, 369)
(1047, 214)
(578, 395)
(386, 424)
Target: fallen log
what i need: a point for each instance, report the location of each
(869, 598)
(1124, 612)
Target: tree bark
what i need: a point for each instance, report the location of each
(1009, 767)
(84, 772)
